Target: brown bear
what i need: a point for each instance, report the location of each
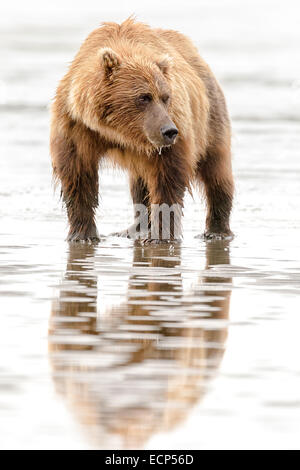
(146, 100)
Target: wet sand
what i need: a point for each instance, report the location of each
(120, 346)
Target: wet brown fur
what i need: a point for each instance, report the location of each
(94, 115)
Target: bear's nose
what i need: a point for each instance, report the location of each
(169, 134)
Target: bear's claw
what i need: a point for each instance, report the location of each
(79, 239)
(216, 236)
(90, 236)
(122, 234)
(157, 241)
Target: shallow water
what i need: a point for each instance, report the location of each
(119, 346)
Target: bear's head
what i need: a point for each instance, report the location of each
(135, 101)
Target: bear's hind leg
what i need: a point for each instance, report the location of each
(79, 186)
(216, 174)
(140, 199)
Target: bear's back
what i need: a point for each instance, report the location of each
(118, 36)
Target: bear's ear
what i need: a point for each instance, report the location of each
(164, 63)
(110, 60)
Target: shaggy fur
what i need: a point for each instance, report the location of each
(126, 83)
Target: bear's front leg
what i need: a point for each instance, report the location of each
(79, 186)
(168, 179)
(165, 225)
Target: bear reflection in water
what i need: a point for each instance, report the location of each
(138, 368)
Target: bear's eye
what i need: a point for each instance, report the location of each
(145, 98)
(165, 99)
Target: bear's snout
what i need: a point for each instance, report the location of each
(159, 128)
(169, 134)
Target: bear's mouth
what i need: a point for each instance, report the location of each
(160, 149)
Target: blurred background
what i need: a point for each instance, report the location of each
(118, 347)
